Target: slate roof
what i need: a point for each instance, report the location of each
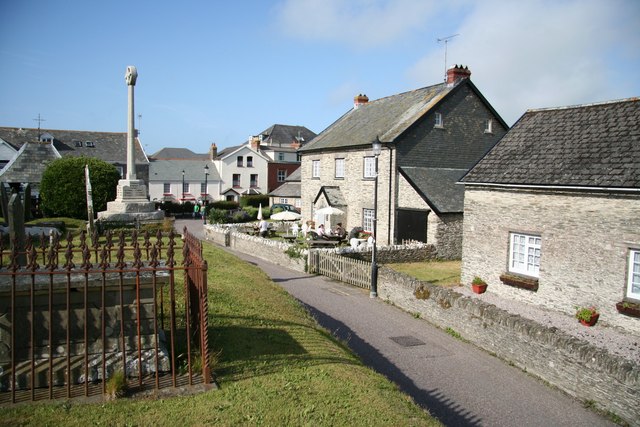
(292, 186)
(108, 146)
(171, 153)
(284, 135)
(171, 170)
(29, 164)
(386, 117)
(437, 186)
(332, 194)
(595, 145)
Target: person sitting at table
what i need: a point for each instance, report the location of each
(321, 232)
(339, 231)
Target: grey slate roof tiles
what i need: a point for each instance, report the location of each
(595, 145)
(437, 186)
(108, 146)
(386, 117)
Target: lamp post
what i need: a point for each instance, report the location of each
(377, 148)
(204, 202)
(182, 197)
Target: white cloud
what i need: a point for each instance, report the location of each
(532, 54)
(357, 23)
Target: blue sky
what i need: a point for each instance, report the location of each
(220, 71)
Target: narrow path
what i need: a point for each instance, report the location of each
(458, 383)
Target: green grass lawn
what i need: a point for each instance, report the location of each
(274, 365)
(441, 273)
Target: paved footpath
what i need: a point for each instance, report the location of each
(458, 383)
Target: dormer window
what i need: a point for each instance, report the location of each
(46, 137)
(89, 144)
(439, 120)
(488, 126)
(77, 143)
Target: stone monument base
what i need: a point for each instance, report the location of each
(131, 204)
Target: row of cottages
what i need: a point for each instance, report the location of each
(430, 137)
(552, 212)
(25, 152)
(256, 167)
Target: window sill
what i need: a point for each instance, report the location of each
(517, 281)
(628, 308)
(438, 127)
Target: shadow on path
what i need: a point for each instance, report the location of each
(438, 405)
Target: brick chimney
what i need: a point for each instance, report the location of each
(255, 142)
(457, 73)
(360, 100)
(213, 151)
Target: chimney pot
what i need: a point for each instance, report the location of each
(457, 73)
(360, 100)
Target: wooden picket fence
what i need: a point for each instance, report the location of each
(352, 271)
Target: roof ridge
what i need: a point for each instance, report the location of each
(591, 104)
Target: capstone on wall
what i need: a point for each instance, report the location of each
(585, 245)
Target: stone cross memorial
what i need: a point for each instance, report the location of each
(131, 201)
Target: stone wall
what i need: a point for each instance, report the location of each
(584, 249)
(579, 369)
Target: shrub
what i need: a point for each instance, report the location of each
(217, 216)
(62, 188)
(224, 205)
(240, 216)
(254, 200)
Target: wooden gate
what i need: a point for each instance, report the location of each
(352, 271)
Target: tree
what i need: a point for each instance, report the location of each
(63, 191)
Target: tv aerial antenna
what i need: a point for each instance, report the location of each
(446, 41)
(39, 120)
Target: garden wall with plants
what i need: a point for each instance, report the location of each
(576, 367)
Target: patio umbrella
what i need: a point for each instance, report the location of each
(260, 211)
(286, 216)
(329, 210)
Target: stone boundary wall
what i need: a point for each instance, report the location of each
(574, 366)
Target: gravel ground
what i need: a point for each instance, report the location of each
(609, 338)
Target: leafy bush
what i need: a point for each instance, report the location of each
(224, 205)
(217, 216)
(63, 192)
(240, 216)
(254, 200)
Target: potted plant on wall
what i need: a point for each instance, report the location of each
(478, 285)
(628, 308)
(588, 316)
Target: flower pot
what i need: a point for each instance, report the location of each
(592, 321)
(628, 309)
(479, 289)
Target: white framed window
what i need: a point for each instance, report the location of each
(315, 169)
(524, 254)
(282, 175)
(284, 200)
(253, 180)
(281, 157)
(249, 161)
(236, 180)
(203, 188)
(369, 167)
(488, 126)
(439, 121)
(633, 280)
(239, 162)
(185, 187)
(367, 219)
(166, 188)
(339, 168)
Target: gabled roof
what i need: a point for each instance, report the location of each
(442, 193)
(386, 118)
(284, 135)
(292, 186)
(332, 194)
(595, 145)
(230, 151)
(295, 176)
(29, 163)
(171, 170)
(108, 146)
(171, 153)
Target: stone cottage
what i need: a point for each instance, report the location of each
(552, 213)
(430, 138)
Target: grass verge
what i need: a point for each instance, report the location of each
(441, 273)
(275, 367)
